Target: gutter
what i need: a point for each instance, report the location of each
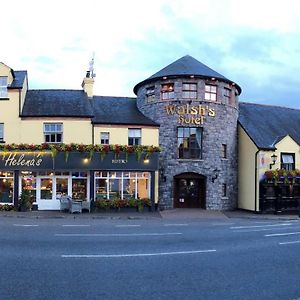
(255, 186)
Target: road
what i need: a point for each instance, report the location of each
(149, 259)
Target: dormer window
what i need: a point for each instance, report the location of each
(3, 87)
(167, 91)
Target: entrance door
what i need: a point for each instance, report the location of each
(189, 191)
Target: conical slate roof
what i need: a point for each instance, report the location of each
(186, 66)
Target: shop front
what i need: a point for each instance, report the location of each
(78, 174)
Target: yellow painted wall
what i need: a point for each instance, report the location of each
(119, 135)
(74, 131)
(6, 71)
(246, 171)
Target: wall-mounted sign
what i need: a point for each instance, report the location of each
(119, 161)
(190, 114)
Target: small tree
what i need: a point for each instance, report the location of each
(25, 202)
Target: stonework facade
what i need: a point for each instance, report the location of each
(218, 120)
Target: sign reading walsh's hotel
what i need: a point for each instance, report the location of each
(190, 114)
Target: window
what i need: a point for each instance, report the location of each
(288, 161)
(189, 90)
(210, 92)
(104, 138)
(6, 187)
(134, 136)
(224, 190)
(3, 87)
(122, 185)
(150, 94)
(167, 91)
(224, 151)
(227, 95)
(1, 132)
(53, 132)
(189, 142)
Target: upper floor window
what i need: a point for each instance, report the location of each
(288, 161)
(224, 151)
(189, 90)
(189, 142)
(167, 91)
(53, 132)
(134, 136)
(150, 94)
(104, 138)
(227, 95)
(3, 87)
(224, 190)
(210, 92)
(1, 132)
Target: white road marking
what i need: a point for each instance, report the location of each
(116, 234)
(261, 229)
(287, 243)
(260, 226)
(135, 254)
(175, 225)
(76, 225)
(26, 225)
(120, 226)
(282, 234)
(222, 224)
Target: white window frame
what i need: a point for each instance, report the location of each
(189, 90)
(104, 136)
(3, 86)
(54, 130)
(136, 135)
(1, 132)
(167, 91)
(210, 92)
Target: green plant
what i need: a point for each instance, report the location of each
(25, 201)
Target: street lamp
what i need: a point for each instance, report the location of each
(274, 158)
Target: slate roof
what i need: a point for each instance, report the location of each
(57, 103)
(186, 66)
(19, 77)
(266, 125)
(118, 110)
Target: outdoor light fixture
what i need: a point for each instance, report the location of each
(274, 158)
(215, 175)
(85, 160)
(146, 161)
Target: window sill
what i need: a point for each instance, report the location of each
(4, 98)
(189, 159)
(224, 198)
(2, 142)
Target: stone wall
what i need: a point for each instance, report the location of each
(217, 130)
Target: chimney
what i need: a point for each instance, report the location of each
(88, 81)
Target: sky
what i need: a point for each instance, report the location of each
(255, 43)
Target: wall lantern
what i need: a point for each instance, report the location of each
(146, 161)
(215, 175)
(274, 158)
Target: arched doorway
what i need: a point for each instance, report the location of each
(189, 190)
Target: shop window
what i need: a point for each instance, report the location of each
(167, 91)
(104, 138)
(1, 132)
(6, 187)
(189, 142)
(122, 185)
(224, 190)
(134, 136)
(150, 94)
(224, 151)
(210, 92)
(53, 132)
(29, 183)
(3, 87)
(288, 161)
(189, 90)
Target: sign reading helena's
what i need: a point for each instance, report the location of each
(190, 114)
(14, 159)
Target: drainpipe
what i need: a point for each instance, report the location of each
(255, 189)
(93, 134)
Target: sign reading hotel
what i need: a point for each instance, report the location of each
(190, 114)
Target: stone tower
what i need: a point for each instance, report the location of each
(197, 109)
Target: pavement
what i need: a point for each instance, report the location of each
(172, 214)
